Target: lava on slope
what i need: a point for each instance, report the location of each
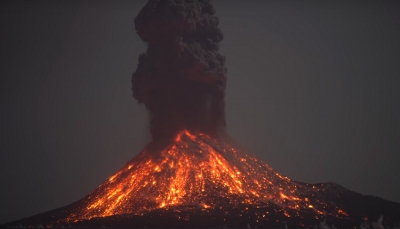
(204, 172)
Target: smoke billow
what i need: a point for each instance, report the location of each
(181, 78)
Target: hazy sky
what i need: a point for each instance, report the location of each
(312, 91)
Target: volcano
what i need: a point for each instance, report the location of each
(193, 174)
(200, 180)
(197, 170)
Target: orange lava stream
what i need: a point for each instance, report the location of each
(195, 170)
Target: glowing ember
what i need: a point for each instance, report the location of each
(200, 171)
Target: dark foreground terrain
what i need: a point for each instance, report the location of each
(357, 207)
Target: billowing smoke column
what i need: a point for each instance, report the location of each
(181, 78)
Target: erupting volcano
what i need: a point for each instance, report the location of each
(193, 173)
(197, 170)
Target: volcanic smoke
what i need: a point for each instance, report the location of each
(181, 78)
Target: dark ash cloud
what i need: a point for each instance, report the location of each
(181, 78)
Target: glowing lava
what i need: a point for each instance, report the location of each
(201, 171)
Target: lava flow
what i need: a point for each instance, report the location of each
(204, 172)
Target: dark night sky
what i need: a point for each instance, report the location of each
(312, 91)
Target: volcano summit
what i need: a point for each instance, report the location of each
(192, 174)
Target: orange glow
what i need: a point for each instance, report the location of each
(191, 171)
(344, 213)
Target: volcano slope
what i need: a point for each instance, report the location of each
(199, 180)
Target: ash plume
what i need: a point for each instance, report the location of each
(181, 78)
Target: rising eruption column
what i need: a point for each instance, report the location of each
(181, 78)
